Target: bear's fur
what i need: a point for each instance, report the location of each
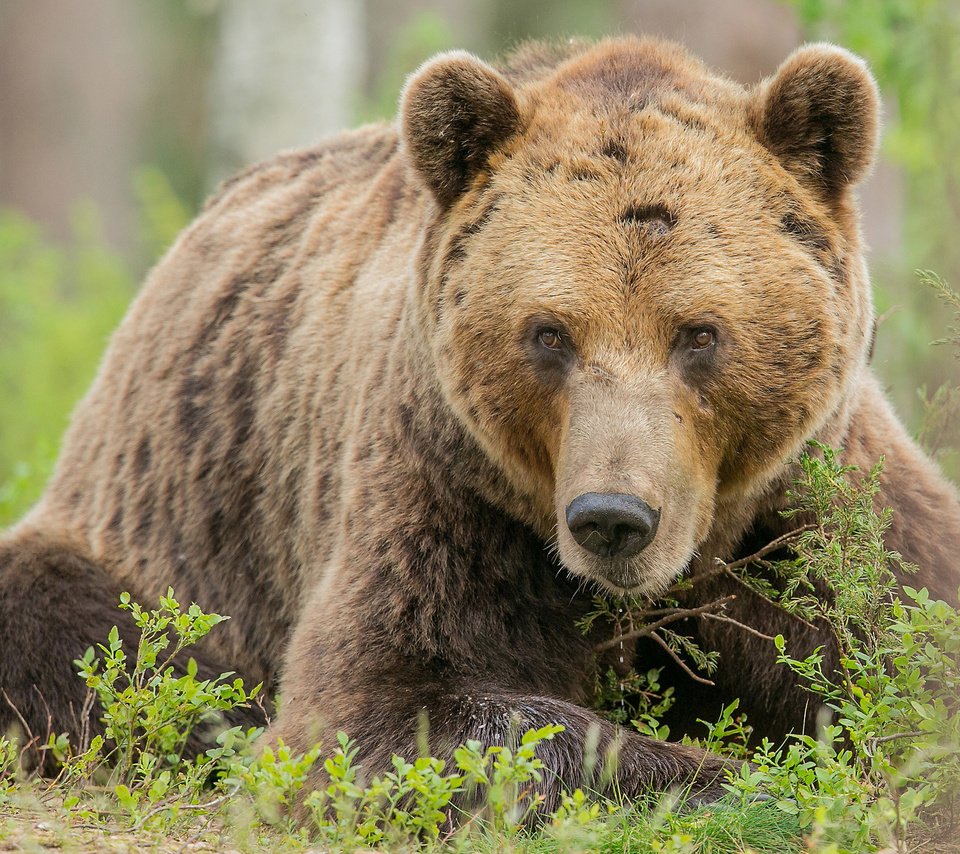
(355, 401)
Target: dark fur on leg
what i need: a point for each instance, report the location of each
(54, 604)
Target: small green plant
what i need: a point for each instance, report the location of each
(505, 775)
(152, 710)
(890, 758)
(729, 735)
(841, 572)
(634, 698)
(152, 705)
(9, 761)
(271, 778)
(407, 804)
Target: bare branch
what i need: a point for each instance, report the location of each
(897, 736)
(16, 711)
(648, 629)
(680, 662)
(184, 807)
(772, 546)
(32, 742)
(749, 629)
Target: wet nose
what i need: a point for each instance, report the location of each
(612, 524)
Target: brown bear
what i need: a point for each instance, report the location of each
(402, 402)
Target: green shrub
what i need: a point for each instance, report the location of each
(890, 758)
(884, 769)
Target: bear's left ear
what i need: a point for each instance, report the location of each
(455, 112)
(819, 114)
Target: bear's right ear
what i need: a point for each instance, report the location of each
(820, 115)
(455, 111)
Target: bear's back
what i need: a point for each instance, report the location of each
(208, 438)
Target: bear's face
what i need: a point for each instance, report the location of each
(640, 313)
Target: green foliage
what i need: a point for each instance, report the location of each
(884, 770)
(634, 698)
(841, 551)
(503, 774)
(889, 765)
(271, 778)
(9, 761)
(58, 306)
(152, 710)
(729, 735)
(632, 617)
(408, 803)
(891, 757)
(151, 707)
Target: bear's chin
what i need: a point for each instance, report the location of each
(634, 577)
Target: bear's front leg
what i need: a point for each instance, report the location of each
(346, 673)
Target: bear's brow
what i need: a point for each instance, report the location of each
(656, 219)
(805, 231)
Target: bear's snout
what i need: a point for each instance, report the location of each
(612, 524)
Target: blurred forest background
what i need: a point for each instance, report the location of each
(117, 117)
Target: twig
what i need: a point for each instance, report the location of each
(650, 628)
(85, 712)
(897, 735)
(741, 562)
(16, 711)
(680, 661)
(749, 629)
(458, 828)
(170, 806)
(727, 569)
(200, 831)
(46, 706)
(32, 742)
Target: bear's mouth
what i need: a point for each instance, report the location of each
(621, 577)
(645, 571)
(637, 576)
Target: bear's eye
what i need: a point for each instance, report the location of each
(550, 347)
(696, 349)
(702, 338)
(550, 338)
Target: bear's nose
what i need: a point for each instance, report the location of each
(613, 524)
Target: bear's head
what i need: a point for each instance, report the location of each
(643, 284)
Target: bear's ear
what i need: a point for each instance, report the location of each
(819, 114)
(455, 111)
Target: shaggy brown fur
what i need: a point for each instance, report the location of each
(352, 404)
